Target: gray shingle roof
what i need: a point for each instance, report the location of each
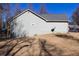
(54, 17)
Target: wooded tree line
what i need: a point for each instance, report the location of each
(75, 16)
(5, 11)
(75, 19)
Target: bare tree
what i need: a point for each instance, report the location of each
(30, 6)
(8, 15)
(1, 10)
(43, 9)
(17, 9)
(75, 18)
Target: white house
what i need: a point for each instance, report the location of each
(28, 23)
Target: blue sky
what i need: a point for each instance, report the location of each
(53, 8)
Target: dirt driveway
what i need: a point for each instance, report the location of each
(49, 44)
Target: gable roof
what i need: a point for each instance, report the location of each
(45, 17)
(55, 17)
(14, 17)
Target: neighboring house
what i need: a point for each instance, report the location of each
(73, 27)
(28, 23)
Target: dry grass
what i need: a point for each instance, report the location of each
(49, 44)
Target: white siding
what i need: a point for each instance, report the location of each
(29, 24)
(60, 27)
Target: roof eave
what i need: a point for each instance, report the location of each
(56, 21)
